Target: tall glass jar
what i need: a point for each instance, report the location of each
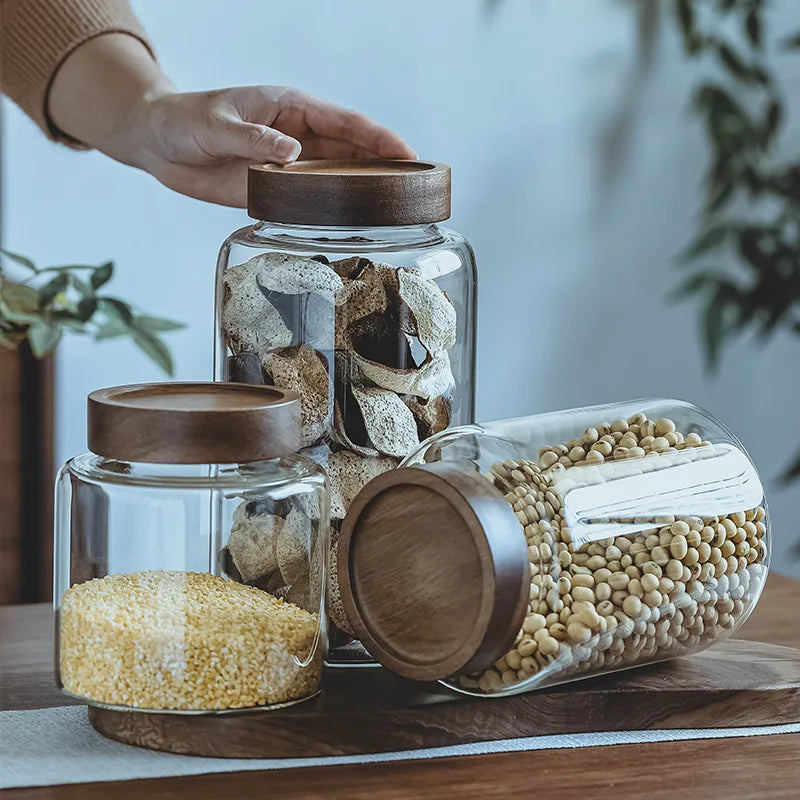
(518, 554)
(347, 291)
(191, 552)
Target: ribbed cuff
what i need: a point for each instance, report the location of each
(36, 36)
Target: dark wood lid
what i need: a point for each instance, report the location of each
(350, 192)
(433, 571)
(193, 423)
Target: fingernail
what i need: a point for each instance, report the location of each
(287, 149)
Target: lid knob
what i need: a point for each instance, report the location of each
(433, 571)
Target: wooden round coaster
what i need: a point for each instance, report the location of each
(735, 683)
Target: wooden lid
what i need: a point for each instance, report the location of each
(193, 423)
(433, 571)
(350, 192)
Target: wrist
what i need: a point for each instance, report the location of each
(98, 90)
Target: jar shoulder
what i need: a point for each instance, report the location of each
(259, 237)
(290, 469)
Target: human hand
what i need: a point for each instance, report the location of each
(201, 143)
(111, 94)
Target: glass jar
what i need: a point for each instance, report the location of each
(191, 552)
(519, 554)
(347, 291)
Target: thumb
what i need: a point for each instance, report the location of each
(257, 143)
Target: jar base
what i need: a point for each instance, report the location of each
(189, 712)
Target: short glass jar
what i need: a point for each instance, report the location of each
(191, 552)
(519, 554)
(347, 291)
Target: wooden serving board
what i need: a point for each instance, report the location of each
(369, 710)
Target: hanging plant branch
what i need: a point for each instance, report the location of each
(49, 301)
(742, 112)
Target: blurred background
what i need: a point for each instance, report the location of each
(578, 175)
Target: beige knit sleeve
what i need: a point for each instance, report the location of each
(36, 36)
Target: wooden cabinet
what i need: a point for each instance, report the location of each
(26, 477)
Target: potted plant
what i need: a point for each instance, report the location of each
(44, 303)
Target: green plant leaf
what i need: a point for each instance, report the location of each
(731, 60)
(11, 340)
(791, 42)
(48, 292)
(695, 283)
(712, 333)
(752, 26)
(720, 197)
(86, 308)
(102, 275)
(710, 239)
(792, 473)
(83, 288)
(19, 297)
(20, 259)
(686, 20)
(111, 329)
(150, 324)
(155, 349)
(772, 120)
(43, 338)
(115, 308)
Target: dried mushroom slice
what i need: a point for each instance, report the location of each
(290, 274)
(349, 473)
(308, 502)
(299, 594)
(252, 544)
(305, 371)
(433, 378)
(336, 612)
(356, 427)
(348, 423)
(250, 321)
(349, 267)
(292, 547)
(378, 338)
(431, 415)
(389, 424)
(361, 297)
(430, 315)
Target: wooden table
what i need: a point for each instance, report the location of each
(756, 767)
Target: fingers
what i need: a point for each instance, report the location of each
(231, 137)
(333, 122)
(320, 147)
(299, 114)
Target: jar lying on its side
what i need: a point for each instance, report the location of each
(346, 290)
(514, 555)
(148, 524)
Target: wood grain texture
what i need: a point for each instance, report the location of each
(10, 477)
(350, 192)
(26, 477)
(384, 547)
(193, 423)
(738, 683)
(757, 767)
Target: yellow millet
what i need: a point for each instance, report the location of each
(184, 640)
